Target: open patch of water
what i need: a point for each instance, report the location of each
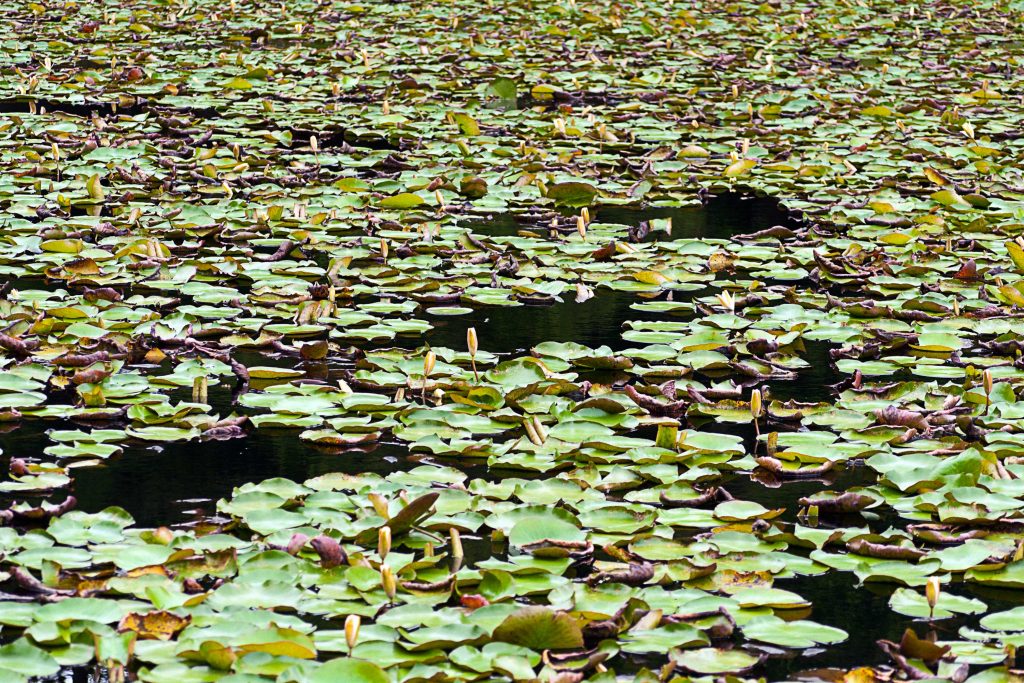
(721, 217)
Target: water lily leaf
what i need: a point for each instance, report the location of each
(795, 634)
(739, 168)
(349, 669)
(503, 87)
(914, 604)
(273, 373)
(238, 83)
(537, 527)
(1009, 620)
(657, 640)
(159, 625)
(573, 193)
(540, 628)
(1016, 253)
(739, 510)
(405, 200)
(467, 124)
(710, 660)
(21, 660)
(280, 642)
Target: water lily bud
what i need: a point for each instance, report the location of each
(384, 541)
(456, 542)
(55, 150)
(987, 381)
(727, 300)
(428, 363)
(388, 581)
(581, 227)
(538, 426)
(531, 432)
(380, 505)
(471, 341)
(296, 543)
(384, 249)
(755, 403)
(200, 389)
(668, 436)
(163, 535)
(439, 197)
(583, 293)
(314, 144)
(931, 591)
(95, 188)
(330, 551)
(352, 623)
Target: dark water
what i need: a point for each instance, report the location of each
(814, 383)
(516, 329)
(863, 612)
(721, 217)
(172, 482)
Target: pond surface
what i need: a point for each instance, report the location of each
(180, 483)
(743, 398)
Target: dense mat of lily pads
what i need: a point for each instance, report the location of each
(279, 204)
